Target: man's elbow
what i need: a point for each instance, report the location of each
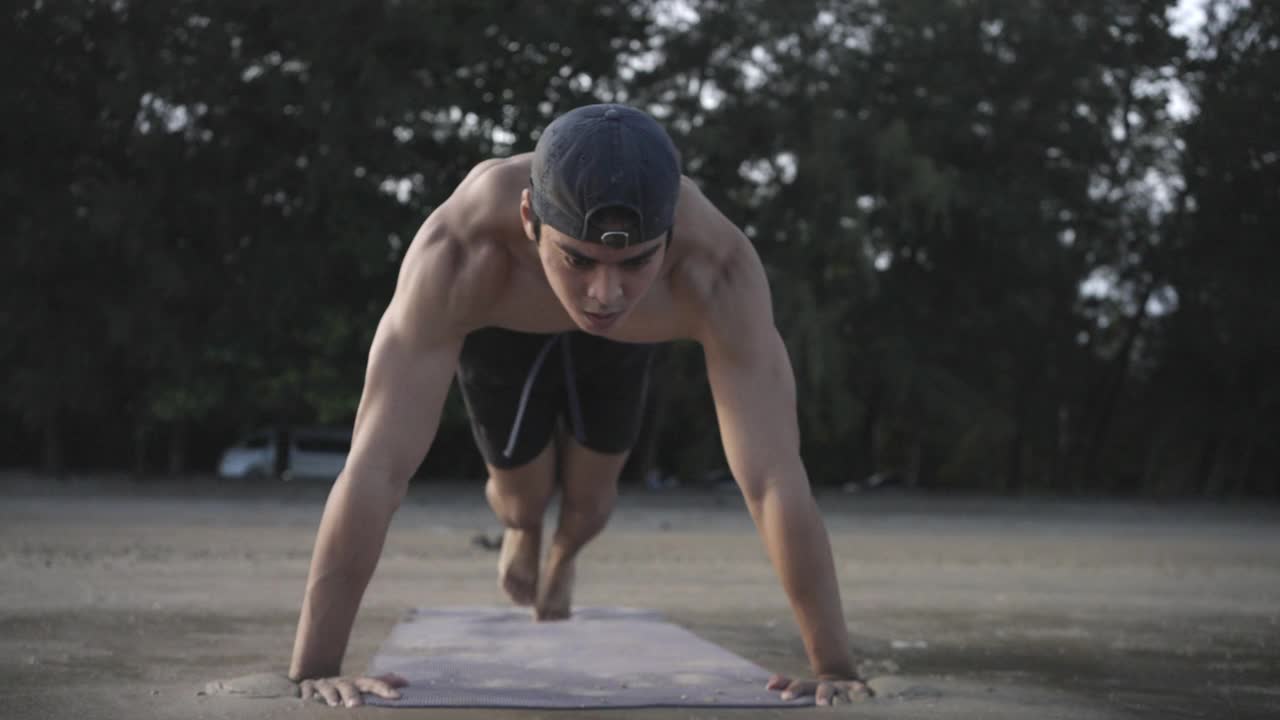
(754, 489)
(385, 486)
(784, 485)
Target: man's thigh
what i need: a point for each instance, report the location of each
(607, 386)
(512, 386)
(590, 478)
(517, 386)
(520, 494)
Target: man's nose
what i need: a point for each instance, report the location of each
(605, 286)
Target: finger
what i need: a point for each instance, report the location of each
(377, 686)
(845, 693)
(799, 688)
(777, 682)
(328, 692)
(394, 680)
(350, 695)
(859, 690)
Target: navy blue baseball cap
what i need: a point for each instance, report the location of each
(606, 156)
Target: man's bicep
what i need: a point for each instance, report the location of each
(411, 363)
(405, 388)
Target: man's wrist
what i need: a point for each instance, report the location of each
(298, 675)
(835, 671)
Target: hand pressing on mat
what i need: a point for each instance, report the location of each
(346, 690)
(825, 691)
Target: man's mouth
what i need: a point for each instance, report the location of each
(601, 321)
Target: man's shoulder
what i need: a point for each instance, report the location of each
(448, 279)
(459, 261)
(505, 170)
(489, 195)
(719, 272)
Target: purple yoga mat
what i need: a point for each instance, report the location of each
(600, 658)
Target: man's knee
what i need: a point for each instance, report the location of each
(591, 506)
(517, 506)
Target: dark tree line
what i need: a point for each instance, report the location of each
(999, 260)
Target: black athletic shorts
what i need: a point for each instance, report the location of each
(516, 387)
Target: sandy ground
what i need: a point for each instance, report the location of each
(121, 600)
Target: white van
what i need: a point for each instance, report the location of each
(309, 454)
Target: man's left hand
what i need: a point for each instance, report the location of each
(825, 690)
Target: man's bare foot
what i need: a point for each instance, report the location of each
(557, 590)
(518, 565)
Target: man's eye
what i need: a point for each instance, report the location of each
(578, 262)
(637, 262)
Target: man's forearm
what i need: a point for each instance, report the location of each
(348, 544)
(800, 550)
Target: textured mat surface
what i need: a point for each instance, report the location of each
(600, 658)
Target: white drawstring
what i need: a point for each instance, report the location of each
(524, 395)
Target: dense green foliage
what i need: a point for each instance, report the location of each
(998, 260)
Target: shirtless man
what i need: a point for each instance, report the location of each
(542, 283)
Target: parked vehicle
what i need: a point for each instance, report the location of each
(313, 453)
(252, 457)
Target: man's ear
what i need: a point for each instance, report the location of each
(528, 219)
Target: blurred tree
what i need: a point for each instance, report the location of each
(1214, 396)
(923, 181)
(996, 259)
(60, 311)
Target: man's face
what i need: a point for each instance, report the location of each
(598, 286)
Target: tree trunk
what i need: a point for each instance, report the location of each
(1243, 484)
(178, 448)
(1062, 448)
(865, 463)
(52, 459)
(140, 438)
(1205, 468)
(1013, 480)
(1251, 393)
(281, 439)
(915, 463)
(1109, 394)
(1150, 483)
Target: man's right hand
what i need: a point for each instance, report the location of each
(346, 690)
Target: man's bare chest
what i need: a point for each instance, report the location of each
(528, 304)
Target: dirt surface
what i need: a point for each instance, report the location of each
(125, 600)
